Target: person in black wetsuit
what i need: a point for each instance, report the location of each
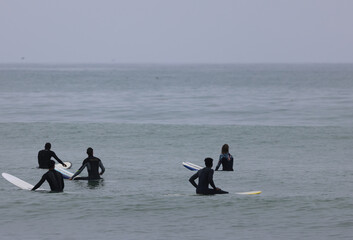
(45, 155)
(93, 164)
(226, 159)
(205, 176)
(54, 178)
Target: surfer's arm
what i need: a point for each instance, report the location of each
(102, 167)
(39, 183)
(58, 159)
(79, 171)
(219, 163)
(210, 179)
(193, 178)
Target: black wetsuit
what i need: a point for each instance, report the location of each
(205, 176)
(227, 162)
(55, 180)
(44, 157)
(93, 164)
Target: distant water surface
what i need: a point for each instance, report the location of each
(309, 95)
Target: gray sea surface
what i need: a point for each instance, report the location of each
(289, 128)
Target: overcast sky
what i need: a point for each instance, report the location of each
(176, 31)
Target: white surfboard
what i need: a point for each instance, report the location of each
(20, 183)
(68, 165)
(66, 174)
(191, 166)
(249, 193)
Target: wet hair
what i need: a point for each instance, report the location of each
(225, 149)
(90, 151)
(51, 164)
(47, 146)
(208, 162)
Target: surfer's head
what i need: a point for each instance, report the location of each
(47, 146)
(51, 164)
(225, 149)
(90, 152)
(208, 162)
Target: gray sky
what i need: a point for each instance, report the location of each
(176, 31)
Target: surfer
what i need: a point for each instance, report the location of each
(226, 159)
(54, 178)
(93, 164)
(45, 155)
(205, 176)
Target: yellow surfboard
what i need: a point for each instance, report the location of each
(249, 193)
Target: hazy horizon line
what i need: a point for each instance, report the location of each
(163, 63)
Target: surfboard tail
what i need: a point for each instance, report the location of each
(191, 166)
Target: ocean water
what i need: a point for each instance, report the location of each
(289, 127)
